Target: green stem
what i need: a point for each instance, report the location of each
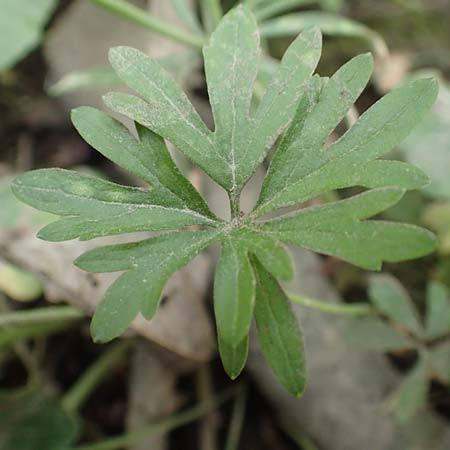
(347, 309)
(212, 13)
(162, 427)
(74, 399)
(41, 315)
(276, 8)
(237, 420)
(235, 205)
(11, 335)
(207, 429)
(142, 18)
(299, 437)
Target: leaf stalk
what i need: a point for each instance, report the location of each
(139, 17)
(355, 309)
(80, 391)
(171, 423)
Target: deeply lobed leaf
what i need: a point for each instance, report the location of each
(391, 298)
(338, 229)
(300, 111)
(149, 264)
(97, 207)
(147, 157)
(437, 322)
(317, 170)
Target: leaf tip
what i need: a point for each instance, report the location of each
(429, 87)
(314, 34)
(99, 334)
(108, 99)
(114, 53)
(80, 262)
(368, 59)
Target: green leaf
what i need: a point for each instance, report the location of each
(254, 109)
(383, 173)
(372, 333)
(278, 332)
(93, 77)
(21, 28)
(233, 50)
(97, 207)
(147, 158)
(287, 87)
(14, 213)
(412, 394)
(31, 420)
(233, 357)
(149, 265)
(271, 253)
(296, 155)
(434, 160)
(329, 24)
(337, 229)
(179, 64)
(10, 335)
(439, 361)
(166, 109)
(234, 293)
(377, 131)
(437, 323)
(123, 301)
(391, 298)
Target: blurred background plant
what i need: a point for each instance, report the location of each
(59, 390)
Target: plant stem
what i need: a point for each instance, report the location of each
(235, 204)
(207, 428)
(142, 18)
(164, 426)
(74, 399)
(299, 437)
(237, 420)
(279, 7)
(355, 309)
(12, 334)
(212, 13)
(41, 315)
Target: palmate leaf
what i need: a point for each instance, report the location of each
(299, 110)
(412, 394)
(437, 323)
(390, 298)
(375, 334)
(439, 359)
